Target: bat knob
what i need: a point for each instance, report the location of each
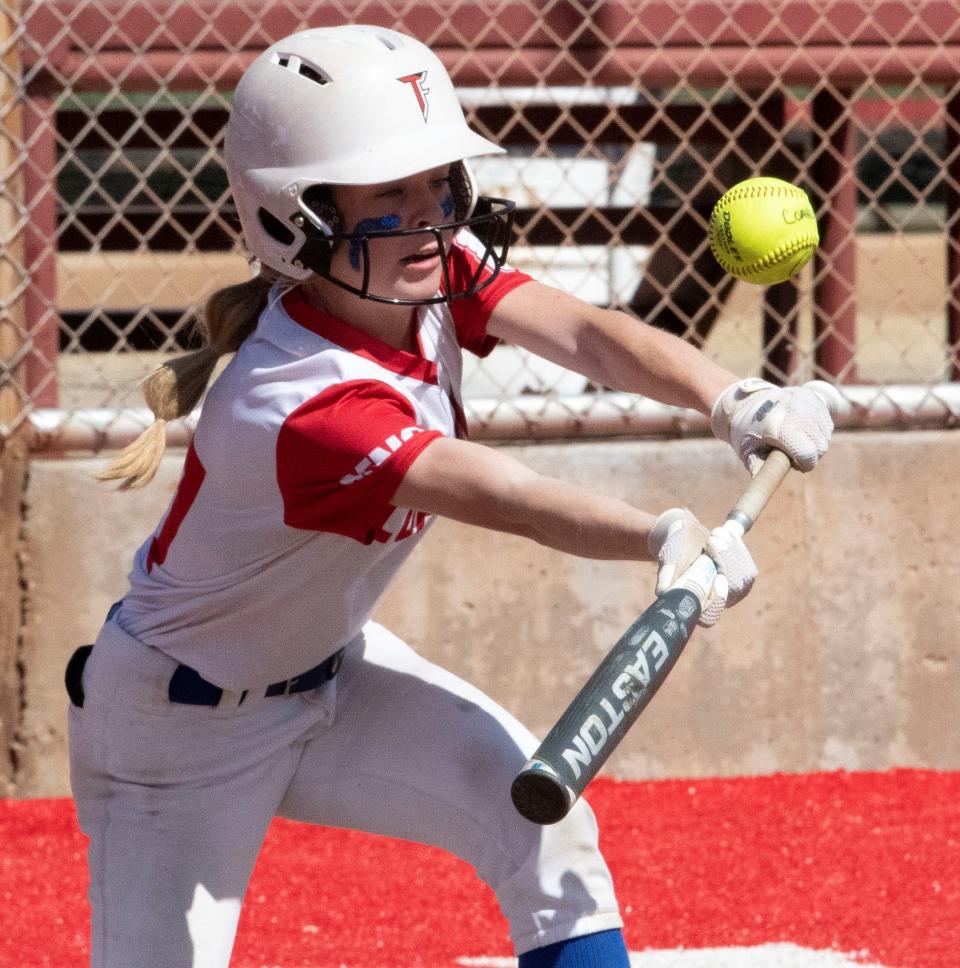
(540, 795)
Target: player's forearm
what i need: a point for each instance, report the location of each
(487, 487)
(633, 357)
(578, 521)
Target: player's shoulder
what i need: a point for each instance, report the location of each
(472, 261)
(466, 245)
(467, 250)
(251, 400)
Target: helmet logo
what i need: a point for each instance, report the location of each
(420, 90)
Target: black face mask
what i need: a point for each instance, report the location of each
(493, 226)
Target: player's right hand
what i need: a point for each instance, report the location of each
(677, 539)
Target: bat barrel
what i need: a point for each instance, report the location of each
(602, 712)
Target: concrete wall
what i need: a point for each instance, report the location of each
(846, 654)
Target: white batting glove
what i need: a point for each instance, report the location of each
(735, 567)
(755, 416)
(677, 539)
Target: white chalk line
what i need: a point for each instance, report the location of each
(761, 956)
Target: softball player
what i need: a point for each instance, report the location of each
(240, 677)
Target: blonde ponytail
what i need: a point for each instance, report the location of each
(177, 386)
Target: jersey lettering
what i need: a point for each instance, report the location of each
(341, 456)
(378, 455)
(401, 524)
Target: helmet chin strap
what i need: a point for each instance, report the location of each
(316, 254)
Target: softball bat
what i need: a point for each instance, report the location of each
(601, 714)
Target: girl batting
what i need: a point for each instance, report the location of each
(240, 677)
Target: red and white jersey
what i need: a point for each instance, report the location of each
(282, 536)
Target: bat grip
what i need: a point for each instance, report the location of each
(754, 499)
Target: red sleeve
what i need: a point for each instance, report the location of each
(341, 456)
(472, 314)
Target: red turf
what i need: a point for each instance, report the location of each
(864, 862)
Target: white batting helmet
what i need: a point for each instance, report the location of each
(348, 105)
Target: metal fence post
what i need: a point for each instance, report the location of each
(952, 125)
(13, 444)
(12, 269)
(834, 173)
(40, 244)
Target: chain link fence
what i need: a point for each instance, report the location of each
(623, 123)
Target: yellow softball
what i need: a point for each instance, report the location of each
(763, 230)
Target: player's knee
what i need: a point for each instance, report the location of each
(562, 886)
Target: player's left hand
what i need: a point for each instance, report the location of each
(677, 539)
(755, 416)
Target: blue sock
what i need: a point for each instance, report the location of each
(605, 949)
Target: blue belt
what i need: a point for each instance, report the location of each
(189, 688)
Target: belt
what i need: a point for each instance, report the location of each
(189, 688)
